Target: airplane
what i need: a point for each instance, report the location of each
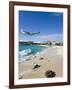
(29, 33)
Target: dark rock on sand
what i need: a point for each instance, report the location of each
(36, 66)
(41, 58)
(50, 74)
(35, 56)
(20, 77)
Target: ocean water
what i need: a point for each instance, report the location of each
(26, 52)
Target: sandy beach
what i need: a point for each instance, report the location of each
(49, 59)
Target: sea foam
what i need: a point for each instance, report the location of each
(25, 55)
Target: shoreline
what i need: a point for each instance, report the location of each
(47, 47)
(50, 59)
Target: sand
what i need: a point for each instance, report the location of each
(51, 59)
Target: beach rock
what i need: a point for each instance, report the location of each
(41, 58)
(50, 74)
(20, 77)
(36, 66)
(35, 56)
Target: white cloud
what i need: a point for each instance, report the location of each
(55, 37)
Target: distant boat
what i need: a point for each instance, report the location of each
(29, 33)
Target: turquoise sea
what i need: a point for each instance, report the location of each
(26, 52)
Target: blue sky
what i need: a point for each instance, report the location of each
(49, 24)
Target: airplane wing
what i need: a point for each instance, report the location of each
(35, 33)
(26, 32)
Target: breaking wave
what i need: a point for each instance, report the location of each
(27, 52)
(25, 55)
